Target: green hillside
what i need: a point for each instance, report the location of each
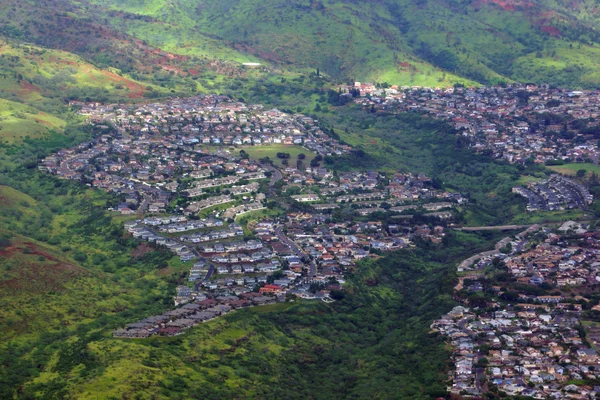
(425, 42)
(69, 276)
(428, 42)
(67, 282)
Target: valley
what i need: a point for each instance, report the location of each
(319, 199)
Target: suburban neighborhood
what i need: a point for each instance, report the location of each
(518, 123)
(527, 324)
(272, 224)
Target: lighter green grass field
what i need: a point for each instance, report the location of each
(18, 121)
(258, 152)
(50, 73)
(571, 169)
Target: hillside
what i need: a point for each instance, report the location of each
(399, 41)
(426, 42)
(69, 275)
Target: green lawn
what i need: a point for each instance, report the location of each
(257, 152)
(571, 169)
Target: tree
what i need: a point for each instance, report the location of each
(581, 173)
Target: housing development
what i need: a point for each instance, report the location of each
(555, 193)
(274, 226)
(243, 197)
(524, 326)
(517, 123)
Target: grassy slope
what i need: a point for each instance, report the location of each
(40, 277)
(66, 272)
(429, 42)
(571, 169)
(392, 40)
(18, 121)
(338, 39)
(31, 73)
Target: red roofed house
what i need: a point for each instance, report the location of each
(270, 289)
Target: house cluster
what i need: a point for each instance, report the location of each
(182, 224)
(231, 231)
(525, 333)
(555, 193)
(144, 232)
(162, 161)
(200, 309)
(517, 123)
(335, 247)
(520, 350)
(197, 186)
(552, 263)
(212, 120)
(369, 192)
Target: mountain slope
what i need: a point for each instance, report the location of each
(396, 40)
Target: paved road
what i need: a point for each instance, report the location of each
(512, 227)
(211, 267)
(145, 203)
(194, 250)
(296, 250)
(276, 176)
(492, 228)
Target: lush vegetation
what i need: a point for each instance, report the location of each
(68, 275)
(429, 42)
(411, 142)
(65, 271)
(69, 278)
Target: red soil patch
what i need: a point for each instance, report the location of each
(509, 5)
(136, 90)
(27, 87)
(35, 276)
(141, 250)
(165, 271)
(176, 70)
(551, 30)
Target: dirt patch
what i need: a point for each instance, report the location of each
(136, 90)
(27, 87)
(141, 250)
(35, 275)
(165, 271)
(551, 30)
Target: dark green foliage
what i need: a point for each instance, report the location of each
(413, 142)
(374, 342)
